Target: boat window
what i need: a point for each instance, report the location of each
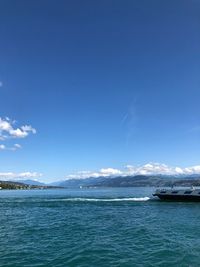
(163, 192)
(174, 192)
(188, 192)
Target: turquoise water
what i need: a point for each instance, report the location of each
(97, 227)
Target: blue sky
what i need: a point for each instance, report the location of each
(101, 84)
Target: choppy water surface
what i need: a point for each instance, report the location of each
(97, 227)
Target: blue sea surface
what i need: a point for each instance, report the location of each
(97, 227)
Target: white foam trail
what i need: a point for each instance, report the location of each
(107, 199)
(82, 199)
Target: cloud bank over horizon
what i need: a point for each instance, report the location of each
(12, 176)
(128, 170)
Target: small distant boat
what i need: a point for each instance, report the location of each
(190, 194)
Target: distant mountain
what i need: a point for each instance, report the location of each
(31, 182)
(132, 181)
(156, 181)
(79, 182)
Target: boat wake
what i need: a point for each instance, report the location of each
(106, 199)
(77, 199)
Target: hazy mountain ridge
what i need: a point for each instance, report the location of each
(117, 181)
(133, 181)
(31, 182)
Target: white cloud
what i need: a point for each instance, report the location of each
(106, 172)
(147, 169)
(11, 176)
(18, 133)
(2, 147)
(150, 168)
(28, 128)
(1, 83)
(17, 146)
(7, 130)
(110, 171)
(13, 148)
(156, 168)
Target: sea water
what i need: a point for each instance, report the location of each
(97, 227)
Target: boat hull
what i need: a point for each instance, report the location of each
(179, 198)
(178, 194)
